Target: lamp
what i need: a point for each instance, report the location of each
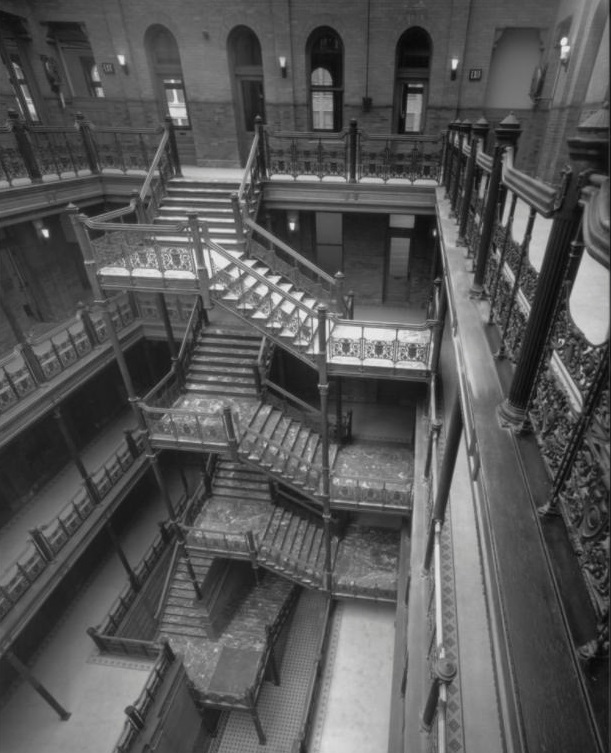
(122, 63)
(41, 230)
(293, 221)
(282, 62)
(453, 68)
(565, 51)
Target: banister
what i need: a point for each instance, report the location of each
(535, 193)
(156, 160)
(288, 250)
(249, 163)
(167, 582)
(190, 327)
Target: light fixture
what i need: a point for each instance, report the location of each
(293, 221)
(565, 51)
(122, 63)
(453, 69)
(282, 62)
(42, 231)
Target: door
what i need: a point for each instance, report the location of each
(251, 103)
(397, 269)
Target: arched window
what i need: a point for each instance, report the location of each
(167, 71)
(326, 79)
(413, 57)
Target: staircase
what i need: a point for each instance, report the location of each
(182, 614)
(222, 364)
(266, 301)
(210, 200)
(233, 481)
(293, 545)
(286, 449)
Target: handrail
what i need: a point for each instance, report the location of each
(190, 329)
(291, 252)
(535, 193)
(167, 582)
(252, 155)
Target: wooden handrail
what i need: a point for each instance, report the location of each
(166, 585)
(247, 170)
(288, 250)
(156, 160)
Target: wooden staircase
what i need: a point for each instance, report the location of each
(293, 545)
(210, 200)
(222, 364)
(286, 449)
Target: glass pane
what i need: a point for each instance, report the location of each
(321, 77)
(322, 111)
(413, 102)
(175, 98)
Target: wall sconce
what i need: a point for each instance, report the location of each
(453, 69)
(42, 231)
(122, 63)
(565, 51)
(282, 62)
(292, 219)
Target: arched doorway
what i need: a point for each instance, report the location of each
(325, 55)
(413, 62)
(244, 52)
(169, 84)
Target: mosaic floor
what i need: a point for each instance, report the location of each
(280, 707)
(381, 460)
(236, 516)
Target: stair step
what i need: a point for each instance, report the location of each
(183, 630)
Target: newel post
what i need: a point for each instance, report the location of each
(239, 224)
(24, 146)
(91, 150)
(173, 146)
(479, 131)
(260, 130)
(353, 136)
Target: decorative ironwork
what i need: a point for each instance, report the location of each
(136, 250)
(400, 157)
(307, 154)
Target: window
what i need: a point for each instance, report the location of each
(92, 77)
(25, 101)
(326, 54)
(166, 69)
(14, 53)
(175, 99)
(413, 56)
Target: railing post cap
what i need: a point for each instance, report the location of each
(339, 275)
(590, 144)
(445, 670)
(508, 130)
(480, 128)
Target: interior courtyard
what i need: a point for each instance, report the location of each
(304, 376)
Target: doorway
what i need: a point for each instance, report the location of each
(397, 277)
(246, 66)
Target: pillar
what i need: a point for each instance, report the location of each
(323, 389)
(479, 131)
(507, 135)
(24, 671)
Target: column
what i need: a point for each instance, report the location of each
(507, 135)
(323, 389)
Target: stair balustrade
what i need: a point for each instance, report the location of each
(371, 492)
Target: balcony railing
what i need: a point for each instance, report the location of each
(48, 540)
(36, 153)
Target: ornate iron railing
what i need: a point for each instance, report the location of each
(186, 425)
(307, 154)
(37, 152)
(395, 346)
(409, 158)
(371, 492)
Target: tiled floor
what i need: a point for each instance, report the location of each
(353, 714)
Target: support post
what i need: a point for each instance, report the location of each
(507, 135)
(259, 128)
(164, 315)
(173, 146)
(203, 275)
(445, 672)
(74, 454)
(91, 150)
(24, 671)
(239, 224)
(185, 553)
(230, 431)
(464, 129)
(588, 151)
(353, 136)
(339, 278)
(133, 579)
(323, 389)
(41, 543)
(479, 131)
(338, 409)
(24, 146)
(454, 432)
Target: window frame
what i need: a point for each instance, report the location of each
(336, 88)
